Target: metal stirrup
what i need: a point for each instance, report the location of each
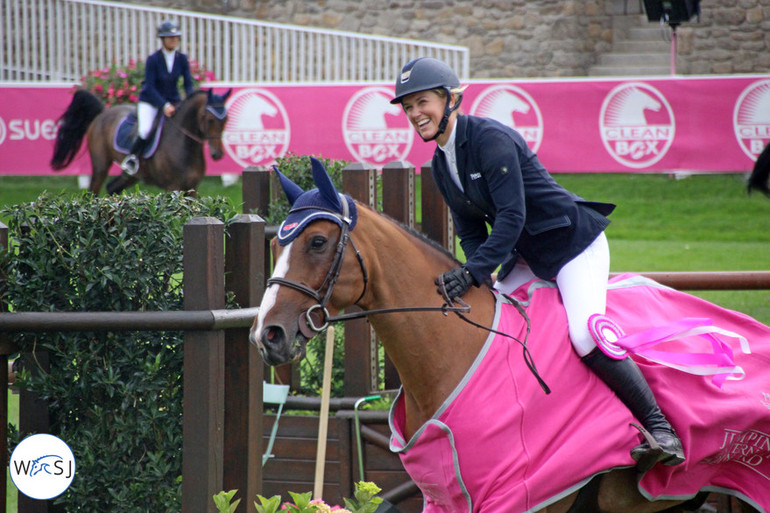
(130, 164)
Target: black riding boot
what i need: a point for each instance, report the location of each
(628, 383)
(130, 164)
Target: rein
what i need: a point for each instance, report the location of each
(309, 328)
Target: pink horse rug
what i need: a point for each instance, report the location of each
(499, 443)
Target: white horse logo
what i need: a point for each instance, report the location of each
(756, 105)
(628, 106)
(751, 118)
(627, 132)
(374, 130)
(258, 130)
(370, 111)
(250, 112)
(500, 105)
(513, 107)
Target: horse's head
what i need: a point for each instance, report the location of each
(310, 280)
(212, 120)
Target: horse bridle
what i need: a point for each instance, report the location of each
(309, 328)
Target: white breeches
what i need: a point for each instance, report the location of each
(145, 115)
(582, 284)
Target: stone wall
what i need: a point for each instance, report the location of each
(733, 36)
(526, 38)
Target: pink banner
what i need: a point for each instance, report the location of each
(698, 124)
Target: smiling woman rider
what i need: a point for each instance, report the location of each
(489, 176)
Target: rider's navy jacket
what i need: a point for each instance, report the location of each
(159, 85)
(506, 186)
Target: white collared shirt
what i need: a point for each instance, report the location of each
(451, 157)
(169, 58)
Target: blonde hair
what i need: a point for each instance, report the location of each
(441, 91)
(455, 91)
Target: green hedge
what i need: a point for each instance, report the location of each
(115, 398)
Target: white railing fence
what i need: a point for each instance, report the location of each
(62, 40)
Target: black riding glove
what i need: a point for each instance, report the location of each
(456, 282)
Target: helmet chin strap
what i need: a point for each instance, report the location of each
(447, 112)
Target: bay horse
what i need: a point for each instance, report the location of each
(178, 163)
(332, 252)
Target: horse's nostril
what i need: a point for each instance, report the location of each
(272, 335)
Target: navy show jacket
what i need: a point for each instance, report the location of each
(507, 187)
(159, 85)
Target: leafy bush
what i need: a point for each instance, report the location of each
(115, 398)
(122, 84)
(365, 500)
(297, 169)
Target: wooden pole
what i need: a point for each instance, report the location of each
(204, 367)
(323, 421)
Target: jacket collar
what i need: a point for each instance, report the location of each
(461, 126)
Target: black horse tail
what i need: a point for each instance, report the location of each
(761, 172)
(73, 125)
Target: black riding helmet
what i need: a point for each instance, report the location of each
(169, 28)
(425, 73)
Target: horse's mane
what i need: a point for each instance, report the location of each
(421, 237)
(193, 96)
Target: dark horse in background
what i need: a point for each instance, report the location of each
(761, 173)
(178, 163)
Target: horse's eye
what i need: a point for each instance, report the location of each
(317, 243)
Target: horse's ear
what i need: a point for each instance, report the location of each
(224, 96)
(325, 185)
(208, 94)
(291, 189)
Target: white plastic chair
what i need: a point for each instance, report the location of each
(273, 394)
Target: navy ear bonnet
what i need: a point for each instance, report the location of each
(308, 206)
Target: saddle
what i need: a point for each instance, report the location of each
(127, 133)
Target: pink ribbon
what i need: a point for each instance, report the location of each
(719, 362)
